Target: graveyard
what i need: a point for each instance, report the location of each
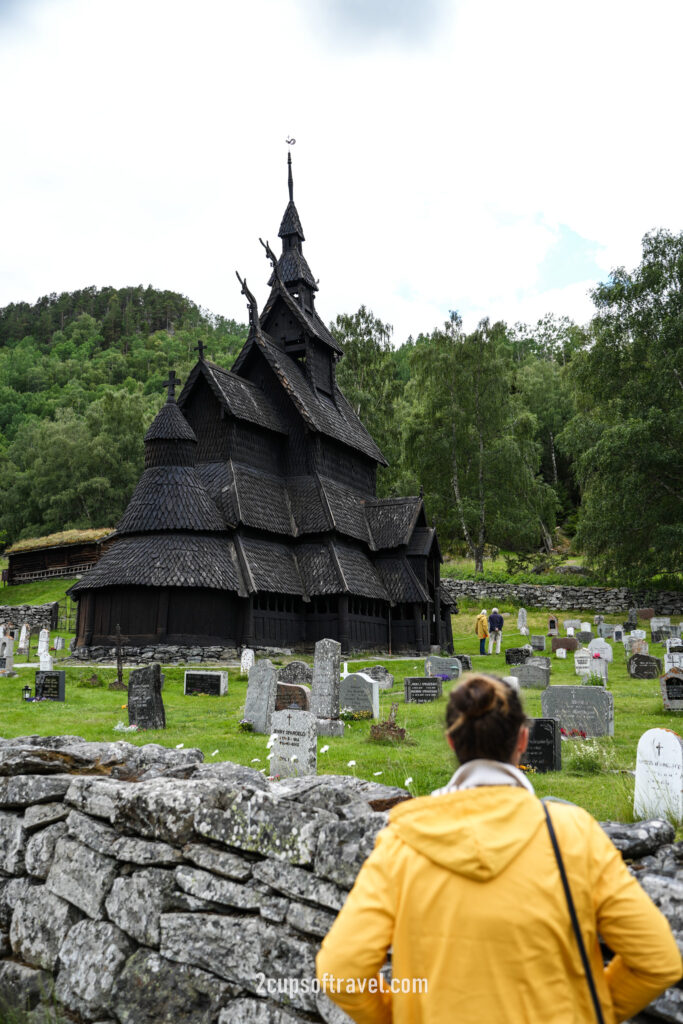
(597, 773)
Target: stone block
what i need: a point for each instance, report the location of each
(343, 846)
(40, 923)
(136, 903)
(91, 959)
(13, 840)
(81, 876)
(40, 849)
(154, 990)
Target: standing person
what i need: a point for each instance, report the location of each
(481, 628)
(465, 887)
(495, 630)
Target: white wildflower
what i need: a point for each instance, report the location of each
(214, 752)
(350, 764)
(256, 760)
(323, 750)
(271, 740)
(378, 773)
(293, 758)
(408, 780)
(179, 746)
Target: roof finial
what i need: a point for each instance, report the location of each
(251, 301)
(170, 384)
(199, 348)
(290, 181)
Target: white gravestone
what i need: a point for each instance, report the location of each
(571, 624)
(639, 634)
(586, 627)
(570, 631)
(261, 694)
(294, 750)
(673, 644)
(358, 692)
(524, 630)
(602, 648)
(660, 622)
(246, 661)
(599, 667)
(46, 664)
(521, 620)
(672, 661)
(561, 652)
(512, 681)
(44, 641)
(659, 775)
(23, 637)
(6, 656)
(582, 662)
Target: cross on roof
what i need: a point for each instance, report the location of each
(171, 384)
(199, 347)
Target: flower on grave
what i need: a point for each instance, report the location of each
(323, 750)
(256, 760)
(350, 764)
(271, 740)
(596, 654)
(408, 780)
(378, 773)
(294, 758)
(179, 746)
(214, 753)
(527, 768)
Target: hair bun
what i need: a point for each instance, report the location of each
(477, 697)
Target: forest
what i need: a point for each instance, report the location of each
(512, 431)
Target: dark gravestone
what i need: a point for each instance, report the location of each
(537, 642)
(672, 689)
(584, 636)
(291, 696)
(465, 661)
(645, 613)
(516, 655)
(588, 709)
(213, 684)
(661, 635)
(570, 643)
(544, 752)
(145, 705)
(644, 666)
(421, 689)
(50, 685)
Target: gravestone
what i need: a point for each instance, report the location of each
(638, 634)
(544, 751)
(571, 623)
(606, 630)
(589, 709)
(381, 675)
(247, 661)
(632, 619)
(51, 686)
(567, 643)
(561, 652)
(674, 645)
(358, 692)
(632, 645)
(7, 657)
(598, 620)
(516, 655)
(677, 629)
(602, 648)
(659, 775)
(661, 635)
(326, 678)
(465, 661)
(259, 703)
(524, 631)
(421, 689)
(644, 666)
(618, 634)
(673, 660)
(145, 704)
(584, 636)
(297, 673)
(294, 750)
(292, 697)
(582, 662)
(23, 637)
(552, 626)
(540, 661)
(449, 667)
(213, 684)
(645, 613)
(671, 685)
(44, 641)
(59, 643)
(537, 642)
(599, 667)
(586, 627)
(570, 631)
(660, 622)
(46, 663)
(533, 675)
(512, 681)
(521, 619)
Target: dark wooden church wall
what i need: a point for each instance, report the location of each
(213, 615)
(320, 367)
(368, 627)
(345, 465)
(277, 620)
(256, 448)
(134, 609)
(409, 627)
(203, 412)
(321, 619)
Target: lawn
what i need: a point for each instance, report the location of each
(212, 723)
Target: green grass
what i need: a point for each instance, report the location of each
(596, 782)
(41, 592)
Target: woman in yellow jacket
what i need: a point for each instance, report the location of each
(481, 628)
(465, 887)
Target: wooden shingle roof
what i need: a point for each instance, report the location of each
(400, 581)
(170, 498)
(241, 398)
(392, 520)
(271, 567)
(169, 424)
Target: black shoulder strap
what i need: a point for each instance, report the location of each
(575, 921)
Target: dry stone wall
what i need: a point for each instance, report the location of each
(568, 598)
(139, 885)
(42, 616)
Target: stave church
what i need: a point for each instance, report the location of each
(255, 522)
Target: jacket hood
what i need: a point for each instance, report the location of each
(472, 832)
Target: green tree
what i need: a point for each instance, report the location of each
(627, 436)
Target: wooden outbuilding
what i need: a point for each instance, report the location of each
(60, 554)
(256, 521)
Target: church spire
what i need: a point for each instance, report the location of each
(295, 272)
(290, 180)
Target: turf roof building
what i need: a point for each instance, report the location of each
(256, 521)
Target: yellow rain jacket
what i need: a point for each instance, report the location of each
(481, 627)
(465, 887)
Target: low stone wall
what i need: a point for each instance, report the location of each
(166, 654)
(139, 885)
(40, 616)
(568, 598)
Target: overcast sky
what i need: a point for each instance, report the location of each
(492, 157)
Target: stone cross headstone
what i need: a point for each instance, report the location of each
(533, 676)
(544, 751)
(450, 667)
(381, 675)
(521, 619)
(46, 664)
(421, 689)
(671, 685)
(259, 703)
(632, 618)
(602, 648)
(59, 643)
(326, 679)
(358, 692)
(294, 750)
(673, 660)
(246, 661)
(537, 642)
(582, 662)
(213, 684)
(292, 697)
(44, 641)
(644, 666)
(145, 703)
(588, 709)
(298, 673)
(598, 620)
(568, 643)
(561, 652)
(659, 775)
(51, 686)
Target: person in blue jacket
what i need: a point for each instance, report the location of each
(495, 630)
